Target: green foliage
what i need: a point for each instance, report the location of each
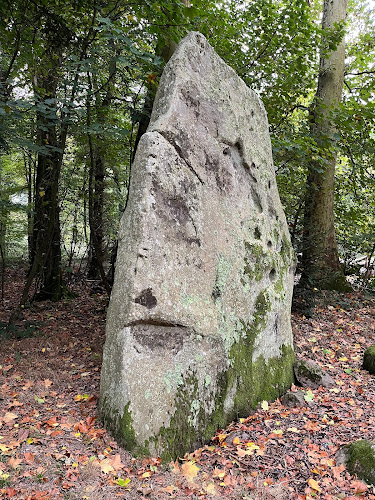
(105, 57)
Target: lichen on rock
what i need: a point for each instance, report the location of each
(198, 327)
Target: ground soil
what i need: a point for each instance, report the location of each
(53, 446)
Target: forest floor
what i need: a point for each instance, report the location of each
(53, 446)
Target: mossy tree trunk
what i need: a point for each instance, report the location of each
(320, 260)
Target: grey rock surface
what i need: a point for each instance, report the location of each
(310, 374)
(198, 327)
(294, 399)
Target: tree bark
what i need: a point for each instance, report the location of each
(97, 181)
(320, 260)
(45, 248)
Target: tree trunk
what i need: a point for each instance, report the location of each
(97, 180)
(46, 227)
(45, 249)
(320, 261)
(96, 199)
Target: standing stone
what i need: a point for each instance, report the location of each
(198, 327)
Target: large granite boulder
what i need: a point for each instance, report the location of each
(198, 327)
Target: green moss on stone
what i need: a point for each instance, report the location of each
(182, 434)
(260, 379)
(126, 429)
(254, 262)
(369, 360)
(239, 389)
(361, 460)
(122, 429)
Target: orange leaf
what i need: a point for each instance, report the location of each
(359, 487)
(221, 437)
(218, 473)
(9, 417)
(11, 492)
(14, 462)
(242, 453)
(29, 457)
(116, 462)
(170, 489)
(174, 467)
(189, 470)
(47, 383)
(28, 385)
(314, 484)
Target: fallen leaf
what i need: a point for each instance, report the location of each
(314, 484)
(9, 417)
(170, 489)
(264, 405)
(210, 489)
(116, 462)
(123, 482)
(11, 492)
(106, 466)
(359, 487)
(189, 470)
(14, 462)
(29, 457)
(309, 396)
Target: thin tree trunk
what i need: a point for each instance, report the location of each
(96, 199)
(46, 225)
(320, 260)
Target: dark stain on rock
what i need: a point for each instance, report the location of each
(178, 209)
(193, 241)
(146, 299)
(256, 199)
(223, 177)
(160, 335)
(191, 100)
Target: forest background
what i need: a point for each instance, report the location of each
(77, 82)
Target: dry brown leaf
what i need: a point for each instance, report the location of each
(106, 466)
(14, 462)
(116, 462)
(29, 457)
(9, 417)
